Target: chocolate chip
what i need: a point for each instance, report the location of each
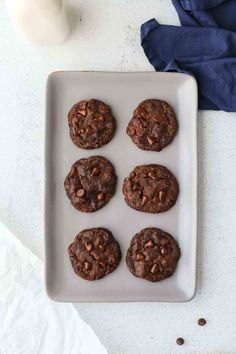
(154, 268)
(102, 248)
(100, 118)
(140, 257)
(144, 199)
(144, 115)
(180, 341)
(111, 259)
(89, 130)
(91, 124)
(100, 196)
(74, 172)
(164, 262)
(82, 112)
(161, 195)
(94, 255)
(95, 171)
(155, 183)
(150, 140)
(88, 246)
(74, 130)
(80, 193)
(87, 265)
(163, 251)
(148, 244)
(201, 321)
(151, 175)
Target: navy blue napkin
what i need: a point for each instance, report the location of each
(204, 46)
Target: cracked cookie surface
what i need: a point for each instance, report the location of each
(153, 254)
(150, 188)
(153, 125)
(91, 124)
(94, 253)
(90, 183)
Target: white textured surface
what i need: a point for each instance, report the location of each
(30, 322)
(107, 38)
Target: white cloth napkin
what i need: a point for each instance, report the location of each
(30, 322)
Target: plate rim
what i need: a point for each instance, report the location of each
(45, 140)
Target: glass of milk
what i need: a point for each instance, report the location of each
(40, 21)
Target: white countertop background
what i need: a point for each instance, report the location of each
(106, 37)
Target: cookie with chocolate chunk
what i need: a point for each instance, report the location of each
(90, 183)
(91, 124)
(94, 253)
(153, 254)
(153, 125)
(151, 188)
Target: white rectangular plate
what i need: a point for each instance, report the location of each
(123, 92)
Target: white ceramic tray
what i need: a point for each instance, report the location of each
(123, 92)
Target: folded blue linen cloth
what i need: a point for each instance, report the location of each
(204, 46)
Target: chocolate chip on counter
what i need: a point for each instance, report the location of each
(201, 321)
(180, 341)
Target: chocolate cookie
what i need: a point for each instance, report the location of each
(94, 253)
(91, 124)
(153, 125)
(151, 188)
(91, 183)
(153, 254)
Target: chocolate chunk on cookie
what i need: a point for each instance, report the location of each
(151, 188)
(91, 124)
(91, 183)
(94, 253)
(153, 125)
(153, 254)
